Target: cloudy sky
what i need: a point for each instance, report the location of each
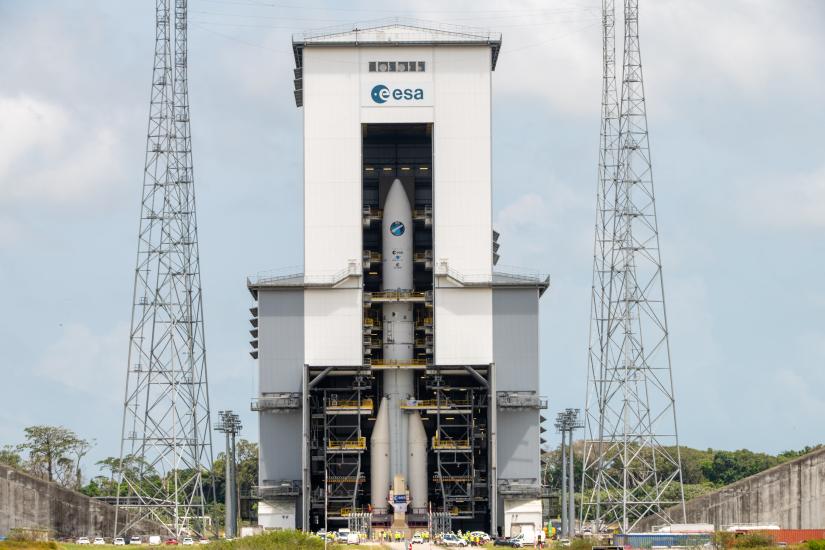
(735, 103)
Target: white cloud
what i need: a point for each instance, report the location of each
(738, 49)
(85, 361)
(742, 46)
(27, 124)
(48, 154)
(537, 231)
(794, 202)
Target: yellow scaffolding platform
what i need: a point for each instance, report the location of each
(358, 444)
(340, 406)
(451, 444)
(383, 364)
(432, 404)
(397, 296)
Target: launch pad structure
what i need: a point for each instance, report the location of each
(398, 372)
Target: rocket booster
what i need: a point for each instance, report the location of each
(399, 327)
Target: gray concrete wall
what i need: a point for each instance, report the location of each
(27, 502)
(791, 495)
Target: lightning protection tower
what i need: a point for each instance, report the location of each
(166, 444)
(632, 466)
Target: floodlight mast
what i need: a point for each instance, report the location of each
(567, 421)
(230, 424)
(632, 465)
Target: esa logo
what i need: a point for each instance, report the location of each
(381, 94)
(397, 228)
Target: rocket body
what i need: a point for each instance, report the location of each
(399, 334)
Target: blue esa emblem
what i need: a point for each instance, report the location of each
(397, 228)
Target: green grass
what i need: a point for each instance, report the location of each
(274, 540)
(27, 545)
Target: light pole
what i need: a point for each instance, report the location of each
(562, 429)
(567, 421)
(230, 424)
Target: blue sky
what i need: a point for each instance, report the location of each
(735, 103)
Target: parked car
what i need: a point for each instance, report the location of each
(203, 541)
(135, 540)
(417, 539)
(187, 541)
(99, 541)
(82, 540)
(172, 542)
(503, 541)
(154, 540)
(449, 539)
(353, 538)
(119, 541)
(523, 540)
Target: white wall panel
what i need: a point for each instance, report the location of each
(332, 326)
(332, 160)
(390, 115)
(463, 326)
(462, 185)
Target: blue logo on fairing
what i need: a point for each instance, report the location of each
(397, 228)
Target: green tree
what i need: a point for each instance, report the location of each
(726, 467)
(10, 457)
(55, 453)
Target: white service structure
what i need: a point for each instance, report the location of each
(398, 371)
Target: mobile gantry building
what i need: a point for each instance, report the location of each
(398, 373)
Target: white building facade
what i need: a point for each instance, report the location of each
(410, 106)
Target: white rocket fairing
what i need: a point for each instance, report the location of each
(399, 327)
(380, 458)
(417, 461)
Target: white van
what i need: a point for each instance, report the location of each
(523, 539)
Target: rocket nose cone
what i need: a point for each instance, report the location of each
(397, 194)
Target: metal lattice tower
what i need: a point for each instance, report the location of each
(632, 465)
(166, 445)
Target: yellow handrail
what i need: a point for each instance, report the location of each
(450, 443)
(432, 404)
(359, 443)
(339, 404)
(398, 362)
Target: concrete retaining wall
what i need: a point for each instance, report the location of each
(27, 502)
(791, 495)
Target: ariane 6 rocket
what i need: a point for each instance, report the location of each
(398, 446)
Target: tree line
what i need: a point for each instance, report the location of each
(55, 453)
(702, 470)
